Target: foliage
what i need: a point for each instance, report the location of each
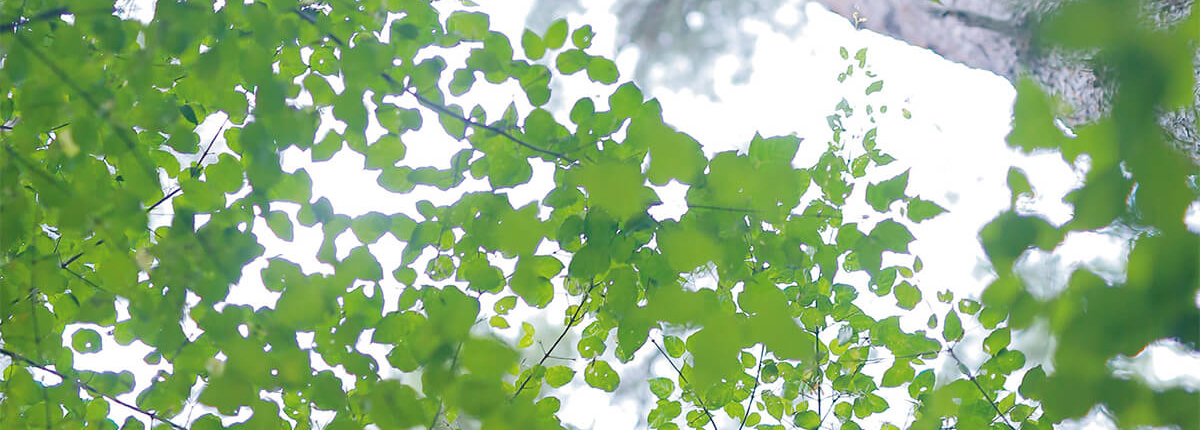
(1133, 178)
(108, 108)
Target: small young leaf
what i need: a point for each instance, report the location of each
(582, 37)
(533, 45)
(921, 210)
(662, 387)
(86, 341)
(556, 34)
(600, 375)
(952, 329)
(527, 332)
(558, 376)
(875, 87)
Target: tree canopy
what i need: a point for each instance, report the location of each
(101, 126)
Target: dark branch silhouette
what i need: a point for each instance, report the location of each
(89, 388)
(685, 381)
(981, 390)
(571, 323)
(753, 391)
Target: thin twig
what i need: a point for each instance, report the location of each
(444, 110)
(89, 388)
(981, 390)
(746, 413)
(721, 208)
(89, 282)
(838, 396)
(164, 198)
(685, 381)
(39, 172)
(62, 76)
(895, 357)
(44, 16)
(570, 323)
(817, 364)
(200, 161)
(441, 405)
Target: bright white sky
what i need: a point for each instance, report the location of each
(954, 145)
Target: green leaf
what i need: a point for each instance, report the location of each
(469, 25)
(898, 374)
(361, 264)
(505, 304)
(662, 387)
(369, 227)
(280, 225)
(1033, 122)
(685, 246)
(86, 341)
(922, 383)
(440, 268)
(533, 45)
(526, 339)
(952, 329)
(921, 210)
(674, 346)
(556, 34)
(589, 261)
(881, 195)
(660, 417)
(615, 187)
(571, 61)
(600, 69)
(997, 341)
(1018, 183)
(1007, 236)
(907, 295)
(531, 280)
(558, 376)
(395, 179)
(807, 420)
(624, 102)
(451, 312)
(600, 375)
(487, 357)
(673, 155)
(874, 87)
(892, 236)
(385, 152)
(582, 37)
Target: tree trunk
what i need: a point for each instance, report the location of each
(994, 36)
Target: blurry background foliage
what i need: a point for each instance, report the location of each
(100, 127)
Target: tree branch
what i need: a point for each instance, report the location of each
(443, 110)
(143, 162)
(981, 390)
(44, 16)
(721, 208)
(570, 323)
(441, 405)
(154, 416)
(746, 413)
(685, 381)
